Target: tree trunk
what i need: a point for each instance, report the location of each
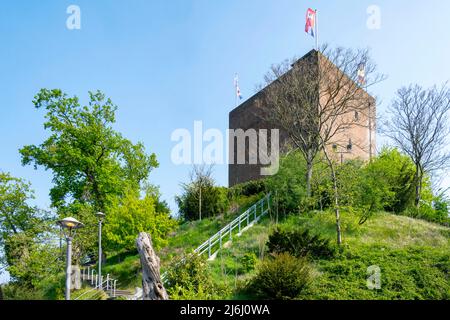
(152, 286)
(336, 198)
(336, 206)
(309, 171)
(418, 182)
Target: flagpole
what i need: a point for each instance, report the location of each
(236, 83)
(317, 31)
(370, 125)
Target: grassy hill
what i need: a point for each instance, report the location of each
(413, 256)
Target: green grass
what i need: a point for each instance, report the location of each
(413, 255)
(125, 267)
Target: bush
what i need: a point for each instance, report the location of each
(247, 189)
(391, 175)
(248, 262)
(131, 215)
(288, 186)
(214, 202)
(299, 243)
(282, 277)
(191, 279)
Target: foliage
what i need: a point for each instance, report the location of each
(248, 261)
(132, 215)
(299, 243)
(16, 215)
(441, 205)
(30, 261)
(25, 234)
(384, 184)
(214, 201)
(91, 163)
(282, 277)
(191, 279)
(393, 174)
(89, 160)
(249, 188)
(409, 273)
(288, 185)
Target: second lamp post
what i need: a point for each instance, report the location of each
(100, 216)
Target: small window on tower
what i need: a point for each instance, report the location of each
(356, 115)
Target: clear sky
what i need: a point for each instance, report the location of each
(169, 63)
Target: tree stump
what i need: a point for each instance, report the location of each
(152, 286)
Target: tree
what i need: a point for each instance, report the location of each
(91, 163)
(132, 215)
(16, 215)
(315, 101)
(419, 126)
(200, 196)
(26, 233)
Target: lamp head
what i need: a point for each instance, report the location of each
(70, 224)
(100, 215)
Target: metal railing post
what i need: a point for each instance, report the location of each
(88, 273)
(92, 277)
(209, 247)
(96, 280)
(231, 229)
(248, 217)
(115, 286)
(107, 282)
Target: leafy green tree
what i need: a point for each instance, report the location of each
(201, 198)
(26, 234)
(90, 161)
(16, 215)
(92, 164)
(132, 215)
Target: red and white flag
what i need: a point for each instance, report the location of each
(310, 22)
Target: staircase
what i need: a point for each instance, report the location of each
(101, 284)
(210, 247)
(224, 237)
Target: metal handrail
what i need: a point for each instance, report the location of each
(228, 229)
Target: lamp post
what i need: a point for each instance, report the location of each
(69, 226)
(100, 216)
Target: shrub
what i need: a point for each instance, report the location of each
(282, 277)
(191, 279)
(131, 215)
(214, 202)
(248, 262)
(247, 189)
(299, 243)
(288, 186)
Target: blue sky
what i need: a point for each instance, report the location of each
(169, 63)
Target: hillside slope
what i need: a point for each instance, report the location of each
(413, 256)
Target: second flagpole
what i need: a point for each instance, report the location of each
(317, 31)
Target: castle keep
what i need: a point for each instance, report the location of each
(357, 142)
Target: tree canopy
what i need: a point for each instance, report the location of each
(90, 161)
